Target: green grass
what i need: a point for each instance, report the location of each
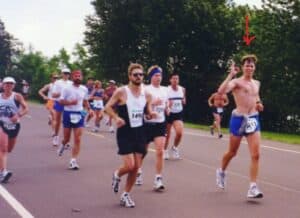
(280, 137)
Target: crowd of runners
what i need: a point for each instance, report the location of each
(142, 114)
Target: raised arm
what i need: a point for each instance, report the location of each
(229, 83)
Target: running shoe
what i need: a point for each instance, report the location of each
(166, 155)
(116, 182)
(111, 129)
(126, 201)
(5, 176)
(220, 178)
(55, 140)
(175, 152)
(61, 149)
(139, 179)
(211, 130)
(73, 165)
(220, 136)
(254, 192)
(158, 184)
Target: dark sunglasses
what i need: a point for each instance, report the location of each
(137, 74)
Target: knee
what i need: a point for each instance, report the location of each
(255, 156)
(232, 153)
(159, 152)
(131, 167)
(179, 134)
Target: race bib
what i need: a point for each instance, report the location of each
(98, 104)
(251, 125)
(136, 118)
(10, 126)
(75, 118)
(176, 106)
(219, 109)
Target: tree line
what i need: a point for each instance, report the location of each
(191, 37)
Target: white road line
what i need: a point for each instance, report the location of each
(14, 203)
(284, 188)
(263, 146)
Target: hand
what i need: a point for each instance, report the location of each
(120, 122)
(157, 102)
(168, 111)
(234, 70)
(259, 107)
(73, 102)
(15, 118)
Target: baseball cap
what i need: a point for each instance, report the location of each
(9, 80)
(112, 81)
(66, 70)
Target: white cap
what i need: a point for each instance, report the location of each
(9, 80)
(66, 70)
(112, 81)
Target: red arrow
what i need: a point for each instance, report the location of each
(246, 37)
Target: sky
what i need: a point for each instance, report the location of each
(49, 25)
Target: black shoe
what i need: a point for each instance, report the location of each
(220, 136)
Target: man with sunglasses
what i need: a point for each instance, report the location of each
(12, 108)
(131, 101)
(58, 87)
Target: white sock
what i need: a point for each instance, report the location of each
(252, 184)
(73, 159)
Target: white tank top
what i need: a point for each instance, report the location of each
(135, 107)
(161, 94)
(8, 108)
(176, 97)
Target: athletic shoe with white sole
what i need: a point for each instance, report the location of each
(220, 178)
(126, 201)
(254, 192)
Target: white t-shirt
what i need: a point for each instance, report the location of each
(158, 93)
(73, 92)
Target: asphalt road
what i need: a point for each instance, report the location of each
(43, 187)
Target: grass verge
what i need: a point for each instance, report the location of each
(280, 137)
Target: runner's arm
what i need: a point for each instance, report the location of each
(43, 90)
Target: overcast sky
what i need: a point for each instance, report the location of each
(50, 25)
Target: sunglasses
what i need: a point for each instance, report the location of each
(137, 74)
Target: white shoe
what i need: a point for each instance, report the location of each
(73, 165)
(139, 179)
(116, 182)
(126, 201)
(175, 153)
(111, 129)
(166, 155)
(254, 192)
(220, 178)
(55, 140)
(158, 184)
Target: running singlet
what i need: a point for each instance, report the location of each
(159, 93)
(98, 103)
(135, 107)
(176, 97)
(8, 108)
